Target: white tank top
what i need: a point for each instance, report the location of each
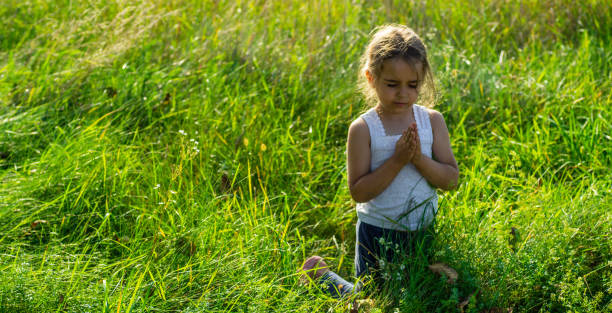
(409, 202)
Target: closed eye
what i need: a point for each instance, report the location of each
(395, 85)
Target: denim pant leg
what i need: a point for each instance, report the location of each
(367, 252)
(335, 285)
(368, 249)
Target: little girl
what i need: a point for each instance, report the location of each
(398, 153)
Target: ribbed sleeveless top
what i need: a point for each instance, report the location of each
(409, 202)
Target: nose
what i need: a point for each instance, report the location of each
(405, 91)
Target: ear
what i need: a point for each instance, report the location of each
(370, 78)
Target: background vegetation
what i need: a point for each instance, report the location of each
(188, 155)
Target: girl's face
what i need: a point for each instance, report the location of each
(397, 87)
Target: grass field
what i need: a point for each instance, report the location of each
(161, 156)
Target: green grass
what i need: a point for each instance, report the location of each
(187, 155)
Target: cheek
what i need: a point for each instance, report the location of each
(391, 93)
(384, 92)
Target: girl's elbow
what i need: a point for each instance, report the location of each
(454, 181)
(452, 185)
(359, 197)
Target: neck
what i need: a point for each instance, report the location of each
(407, 111)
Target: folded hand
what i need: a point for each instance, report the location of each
(408, 146)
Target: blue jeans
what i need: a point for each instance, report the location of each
(372, 245)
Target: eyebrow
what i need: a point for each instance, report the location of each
(396, 81)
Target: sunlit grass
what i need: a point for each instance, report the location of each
(188, 156)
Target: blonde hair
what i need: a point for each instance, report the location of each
(396, 41)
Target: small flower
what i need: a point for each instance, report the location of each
(156, 186)
(182, 132)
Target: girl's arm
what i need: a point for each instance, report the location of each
(363, 184)
(441, 171)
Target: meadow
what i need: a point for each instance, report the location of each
(187, 156)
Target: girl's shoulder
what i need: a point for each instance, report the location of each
(436, 119)
(358, 139)
(431, 112)
(359, 127)
(434, 115)
(361, 123)
(359, 131)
